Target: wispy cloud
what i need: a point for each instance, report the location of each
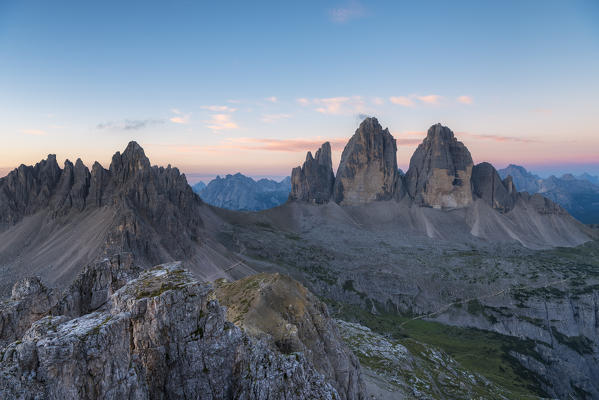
(378, 101)
(402, 101)
(129, 124)
(465, 100)
(289, 145)
(352, 10)
(269, 118)
(180, 117)
(217, 108)
(263, 144)
(302, 101)
(497, 138)
(339, 105)
(221, 122)
(272, 99)
(35, 132)
(430, 99)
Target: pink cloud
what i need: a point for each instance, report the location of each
(290, 145)
(402, 101)
(465, 99)
(220, 122)
(430, 99)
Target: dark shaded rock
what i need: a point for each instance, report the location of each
(95, 284)
(28, 189)
(368, 169)
(487, 185)
(313, 182)
(440, 171)
(155, 215)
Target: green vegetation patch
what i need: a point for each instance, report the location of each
(580, 344)
(483, 352)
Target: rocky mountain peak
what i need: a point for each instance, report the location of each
(132, 161)
(145, 200)
(368, 169)
(440, 171)
(314, 180)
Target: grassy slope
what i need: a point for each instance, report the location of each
(482, 352)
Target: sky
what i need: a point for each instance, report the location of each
(224, 87)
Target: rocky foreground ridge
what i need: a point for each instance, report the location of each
(119, 332)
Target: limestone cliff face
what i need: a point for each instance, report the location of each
(368, 168)
(160, 334)
(486, 183)
(313, 182)
(440, 171)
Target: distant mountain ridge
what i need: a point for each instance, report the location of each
(578, 195)
(242, 193)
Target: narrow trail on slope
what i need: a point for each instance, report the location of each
(465, 301)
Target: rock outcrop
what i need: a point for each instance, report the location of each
(313, 182)
(486, 184)
(368, 168)
(30, 301)
(440, 171)
(163, 335)
(280, 308)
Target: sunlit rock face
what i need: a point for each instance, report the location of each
(368, 169)
(440, 171)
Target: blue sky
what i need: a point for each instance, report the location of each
(222, 87)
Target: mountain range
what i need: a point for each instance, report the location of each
(578, 195)
(239, 192)
(445, 282)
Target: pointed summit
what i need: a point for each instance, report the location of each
(130, 162)
(313, 182)
(368, 169)
(440, 171)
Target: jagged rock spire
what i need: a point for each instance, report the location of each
(368, 169)
(313, 182)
